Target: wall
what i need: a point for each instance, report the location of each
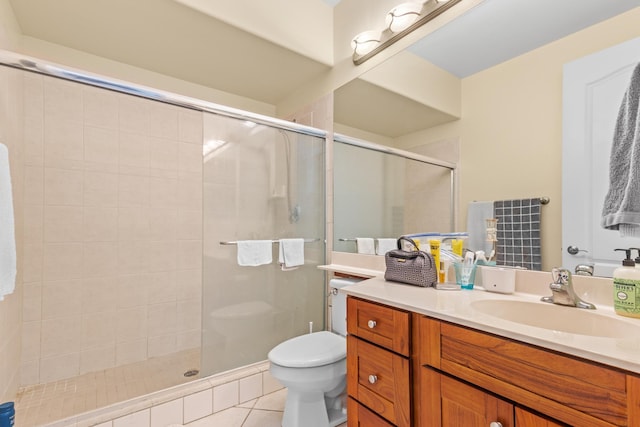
(11, 307)
(113, 208)
(511, 126)
(9, 29)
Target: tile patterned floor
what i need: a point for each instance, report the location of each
(265, 411)
(44, 403)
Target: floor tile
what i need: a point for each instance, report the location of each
(232, 417)
(273, 401)
(260, 418)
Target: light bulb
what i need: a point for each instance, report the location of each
(402, 16)
(365, 42)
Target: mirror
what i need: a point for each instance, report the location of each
(396, 193)
(510, 131)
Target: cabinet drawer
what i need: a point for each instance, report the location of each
(379, 379)
(359, 416)
(379, 324)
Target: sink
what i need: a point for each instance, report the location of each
(558, 318)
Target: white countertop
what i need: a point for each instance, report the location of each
(456, 307)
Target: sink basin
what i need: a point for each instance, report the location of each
(558, 318)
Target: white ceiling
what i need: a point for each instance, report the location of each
(169, 38)
(498, 30)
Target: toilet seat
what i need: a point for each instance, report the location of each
(310, 350)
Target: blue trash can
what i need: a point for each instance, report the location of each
(7, 414)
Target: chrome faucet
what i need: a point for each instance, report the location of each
(562, 291)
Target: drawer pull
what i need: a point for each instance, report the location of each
(371, 324)
(495, 424)
(374, 379)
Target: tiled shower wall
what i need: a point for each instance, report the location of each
(113, 229)
(11, 306)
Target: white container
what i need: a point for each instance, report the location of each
(499, 279)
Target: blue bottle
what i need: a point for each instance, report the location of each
(7, 414)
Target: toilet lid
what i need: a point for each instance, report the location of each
(310, 350)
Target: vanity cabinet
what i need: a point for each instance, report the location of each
(568, 390)
(407, 369)
(378, 367)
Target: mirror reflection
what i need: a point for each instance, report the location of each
(509, 89)
(385, 194)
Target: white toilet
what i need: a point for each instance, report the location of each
(313, 367)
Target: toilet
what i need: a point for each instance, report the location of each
(313, 367)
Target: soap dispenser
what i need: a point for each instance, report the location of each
(626, 287)
(637, 259)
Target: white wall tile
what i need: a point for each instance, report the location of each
(250, 388)
(167, 413)
(198, 405)
(225, 396)
(59, 367)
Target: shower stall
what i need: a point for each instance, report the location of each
(260, 183)
(131, 201)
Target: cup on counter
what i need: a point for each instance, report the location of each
(465, 275)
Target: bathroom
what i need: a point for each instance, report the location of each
(496, 105)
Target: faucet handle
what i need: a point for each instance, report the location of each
(561, 276)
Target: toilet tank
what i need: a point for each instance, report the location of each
(339, 305)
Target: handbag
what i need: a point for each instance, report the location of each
(414, 267)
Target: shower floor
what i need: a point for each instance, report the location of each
(44, 403)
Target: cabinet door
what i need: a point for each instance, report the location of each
(451, 403)
(525, 418)
(359, 416)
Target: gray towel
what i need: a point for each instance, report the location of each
(621, 209)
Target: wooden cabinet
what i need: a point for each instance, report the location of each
(360, 416)
(405, 369)
(568, 390)
(378, 366)
(452, 403)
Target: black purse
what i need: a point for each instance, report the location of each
(413, 267)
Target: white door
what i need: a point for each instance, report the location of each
(593, 88)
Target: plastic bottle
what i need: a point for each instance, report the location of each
(626, 287)
(7, 414)
(434, 245)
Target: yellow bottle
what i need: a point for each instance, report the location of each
(434, 245)
(456, 246)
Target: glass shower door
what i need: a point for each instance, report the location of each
(260, 183)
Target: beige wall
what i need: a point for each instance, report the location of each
(11, 307)
(511, 126)
(9, 29)
(113, 229)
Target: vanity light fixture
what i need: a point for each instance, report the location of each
(365, 42)
(400, 21)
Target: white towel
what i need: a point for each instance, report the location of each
(386, 245)
(7, 231)
(254, 252)
(365, 245)
(291, 253)
(621, 210)
(477, 213)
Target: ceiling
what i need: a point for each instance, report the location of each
(169, 38)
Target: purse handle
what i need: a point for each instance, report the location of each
(406, 239)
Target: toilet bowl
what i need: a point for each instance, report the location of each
(313, 368)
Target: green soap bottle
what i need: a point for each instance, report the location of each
(626, 287)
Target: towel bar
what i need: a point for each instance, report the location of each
(272, 241)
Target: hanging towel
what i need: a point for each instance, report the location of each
(621, 210)
(291, 254)
(386, 245)
(365, 245)
(254, 252)
(519, 230)
(7, 232)
(477, 213)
